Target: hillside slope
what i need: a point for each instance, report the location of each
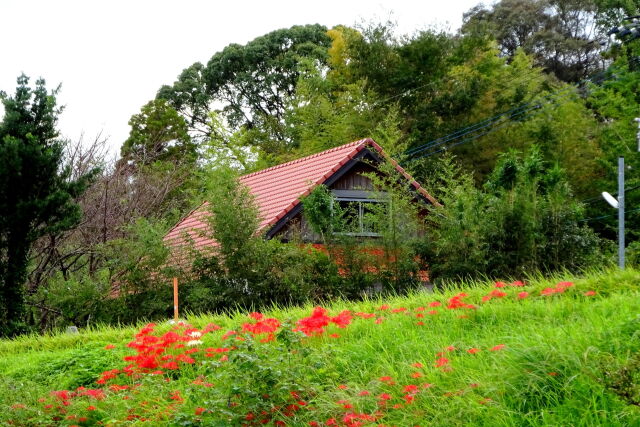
(548, 352)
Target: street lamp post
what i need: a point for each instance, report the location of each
(619, 204)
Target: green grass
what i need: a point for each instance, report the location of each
(568, 359)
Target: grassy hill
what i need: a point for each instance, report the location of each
(559, 351)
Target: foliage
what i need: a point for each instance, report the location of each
(388, 361)
(36, 194)
(529, 222)
(563, 35)
(158, 133)
(246, 270)
(252, 82)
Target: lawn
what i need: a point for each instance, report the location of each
(555, 351)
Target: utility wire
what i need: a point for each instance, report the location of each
(513, 112)
(606, 216)
(530, 112)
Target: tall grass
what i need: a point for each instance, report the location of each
(551, 371)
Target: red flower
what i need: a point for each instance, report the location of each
(500, 284)
(343, 319)
(442, 361)
(416, 375)
(199, 410)
(109, 347)
(411, 388)
(523, 295)
(517, 283)
(384, 396)
(497, 347)
(364, 393)
(435, 304)
(385, 379)
(343, 386)
(497, 293)
(417, 365)
(473, 350)
(91, 408)
(255, 315)
(589, 293)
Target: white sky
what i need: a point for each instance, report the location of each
(112, 56)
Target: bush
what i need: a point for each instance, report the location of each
(524, 220)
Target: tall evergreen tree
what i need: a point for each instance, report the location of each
(36, 193)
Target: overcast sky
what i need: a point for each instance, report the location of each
(112, 56)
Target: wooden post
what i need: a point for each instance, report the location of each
(175, 299)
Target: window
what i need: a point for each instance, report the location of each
(360, 214)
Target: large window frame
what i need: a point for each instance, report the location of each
(361, 197)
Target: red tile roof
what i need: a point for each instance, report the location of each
(278, 189)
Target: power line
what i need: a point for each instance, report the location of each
(509, 114)
(536, 109)
(606, 216)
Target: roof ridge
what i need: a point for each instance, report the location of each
(363, 141)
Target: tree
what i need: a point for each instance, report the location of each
(563, 35)
(158, 133)
(251, 82)
(36, 194)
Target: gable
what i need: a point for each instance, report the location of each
(277, 190)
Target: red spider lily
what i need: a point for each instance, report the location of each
(456, 302)
(411, 388)
(343, 319)
(109, 347)
(441, 361)
(420, 309)
(334, 336)
(416, 375)
(473, 350)
(517, 284)
(170, 366)
(417, 365)
(409, 398)
(343, 386)
(314, 324)
(364, 393)
(420, 315)
(199, 410)
(549, 291)
(523, 295)
(91, 408)
(497, 347)
(385, 379)
(379, 320)
(175, 395)
(365, 315)
(500, 284)
(92, 393)
(432, 312)
(256, 315)
(399, 310)
(385, 396)
(331, 422)
(497, 293)
(589, 293)
(435, 304)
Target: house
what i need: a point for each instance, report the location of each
(278, 190)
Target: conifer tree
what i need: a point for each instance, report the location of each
(36, 191)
